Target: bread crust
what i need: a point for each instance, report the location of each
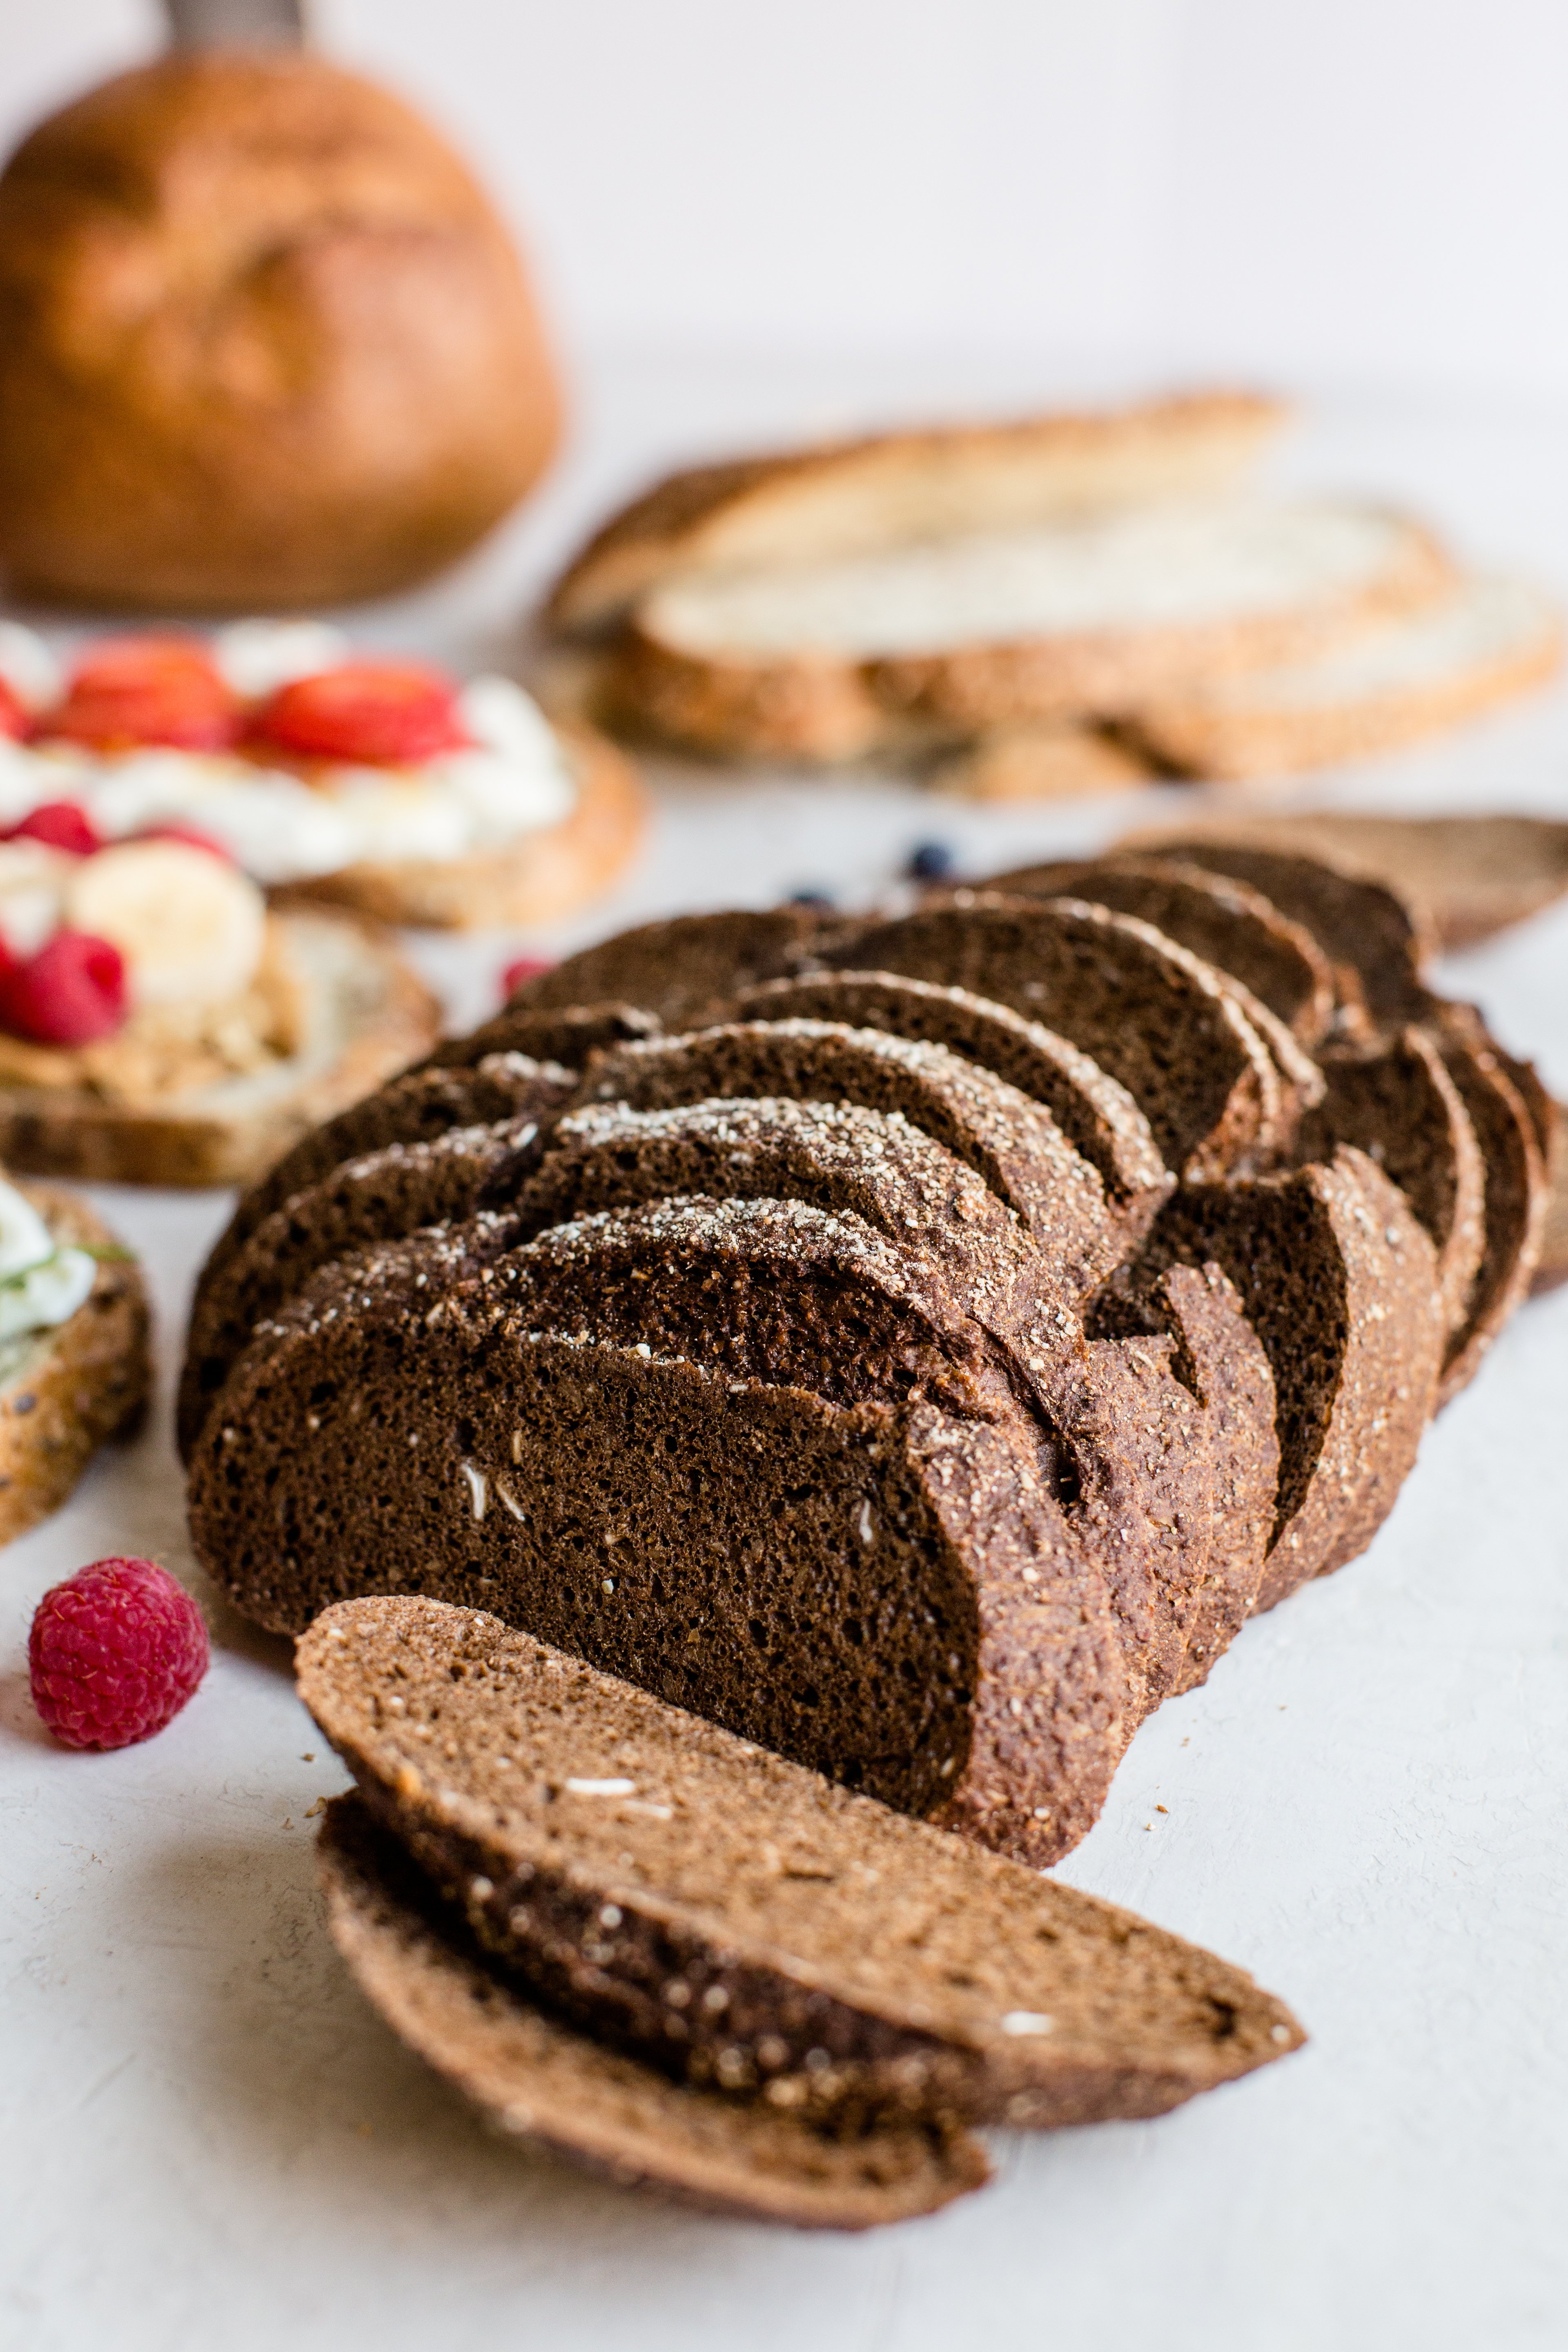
(264, 344)
(381, 1012)
(84, 1382)
(538, 878)
(848, 496)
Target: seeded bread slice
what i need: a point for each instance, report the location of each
(1162, 1023)
(742, 1921)
(1232, 928)
(1515, 1194)
(536, 2080)
(680, 969)
(1094, 1111)
(1012, 1142)
(66, 1391)
(1340, 1283)
(1397, 1103)
(378, 1197)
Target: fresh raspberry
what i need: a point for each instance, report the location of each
(388, 713)
(15, 719)
(137, 690)
(114, 1653)
(59, 824)
(71, 992)
(523, 967)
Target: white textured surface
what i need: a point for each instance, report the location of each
(208, 2138)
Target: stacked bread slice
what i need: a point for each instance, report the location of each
(914, 1343)
(1016, 590)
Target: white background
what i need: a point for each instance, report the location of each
(1364, 192)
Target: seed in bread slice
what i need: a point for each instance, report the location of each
(846, 498)
(1014, 1143)
(68, 1389)
(378, 1197)
(1487, 640)
(1232, 928)
(365, 1014)
(536, 2080)
(1162, 1023)
(1397, 1103)
(739, 1920)
(1093, 1110)
(678, 969)
(1340, 1282)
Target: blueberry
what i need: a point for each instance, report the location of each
(930, 861)
(810, 899)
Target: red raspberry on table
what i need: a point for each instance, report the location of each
(390, 713)
(114, 1653)
(71, 992)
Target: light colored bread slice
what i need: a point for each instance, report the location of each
(534, 2079)
(540, 878)
(1488, 641)
(365, 1014)
(848, 496)
(63, 1392)
(1090, 617)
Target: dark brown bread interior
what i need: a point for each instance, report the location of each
(1013, 1142)
(1093, 1110)
(567, 1035)
(741, 1922)
(1515, 1204)
(1161, 1024)
(681, 969)
(1231, 927)
(533, 2078)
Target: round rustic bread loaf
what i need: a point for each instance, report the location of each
(263, 344)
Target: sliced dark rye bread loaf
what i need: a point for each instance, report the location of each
(378, 1197)
(741, 1923)
(568, 1035)
(1013, 1142)
(1397, 1103)
(887, 1594)
(538, 2081)
(1230, 926)
(1160, 1023)
(1094, 1111)
(681, 969)
(1340, 1282)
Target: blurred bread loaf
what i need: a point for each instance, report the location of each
(264, 343)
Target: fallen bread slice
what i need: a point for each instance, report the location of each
(743, 1923)
(1484, 643)
(1011, 1141)
(363, 1014)
(1162, 1023)
(1093, 1110)
(1232, 928)
(679, 970)
(380, 1196)
(1090, 616)
(539, 877)
(534, 2079)
(846, 498)
(68, 1388)
(1340, 1283)
(1398, 1104)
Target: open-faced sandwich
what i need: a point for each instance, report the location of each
(73, 1348)
(386, 787)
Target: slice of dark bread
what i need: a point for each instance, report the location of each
(1229, 926)
(534, 2079)
(1552, 1265)
(1094, 1111)
(1516, 1194)
(1013, 1142)
(1340, 1283)
(1156, 1019)
(681, 969)
(741, 1922)
(378, 1197)
(568, 1035)
(887, 1594)
(1396, 1102)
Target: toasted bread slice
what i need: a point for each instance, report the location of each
(535, 2079)
(848, 498)
(65, 1391)
(1091, 618)
(1487, 641)
(538, 878)
(364, 1013)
